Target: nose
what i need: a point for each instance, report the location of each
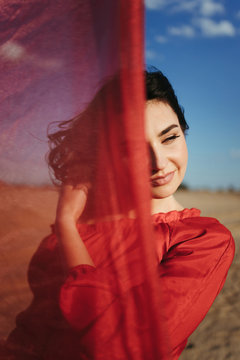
(158, 159)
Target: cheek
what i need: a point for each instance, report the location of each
(182, 155)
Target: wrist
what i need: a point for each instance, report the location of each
(65, 222)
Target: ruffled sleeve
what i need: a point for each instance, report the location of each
(87, 294)
(192, 272)
(92, 299)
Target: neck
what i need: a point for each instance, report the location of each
(165, 205)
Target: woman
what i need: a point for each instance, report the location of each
(193, 253)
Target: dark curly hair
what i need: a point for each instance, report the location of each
(73, 148)
(158, 88)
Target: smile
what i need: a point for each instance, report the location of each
(163, 180)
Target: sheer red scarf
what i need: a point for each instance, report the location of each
(55, 56)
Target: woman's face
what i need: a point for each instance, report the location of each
(168, 149)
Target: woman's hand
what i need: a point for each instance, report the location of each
(71, 203)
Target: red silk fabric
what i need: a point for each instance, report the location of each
(55, 56)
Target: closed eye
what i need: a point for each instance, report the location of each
(170, 138)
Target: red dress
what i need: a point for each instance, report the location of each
(64, 321)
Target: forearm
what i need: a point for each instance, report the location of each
(73, 248)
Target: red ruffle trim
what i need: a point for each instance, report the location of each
(174, 216)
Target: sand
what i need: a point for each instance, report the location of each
(25, 216)
(218, 336)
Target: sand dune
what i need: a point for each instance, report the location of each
(25, 216)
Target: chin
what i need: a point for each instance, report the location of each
(162, 192)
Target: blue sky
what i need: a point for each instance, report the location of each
(196, 44)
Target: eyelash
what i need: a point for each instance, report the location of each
(171, 138)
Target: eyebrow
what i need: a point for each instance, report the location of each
(165, 131)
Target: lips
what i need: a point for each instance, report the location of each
(163, 180)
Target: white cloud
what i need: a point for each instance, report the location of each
(210, 8)
(13, 51)
(212, 28)
(198, 7)
(178, 5)
(185, 5)
(161, 39)
(184, 30)
(150, 55)
(155, 4)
